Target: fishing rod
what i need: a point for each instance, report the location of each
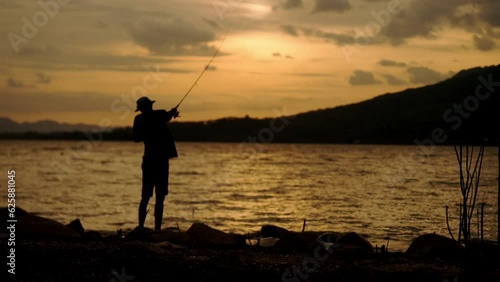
(205, 69)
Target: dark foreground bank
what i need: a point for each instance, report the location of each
(50, 251)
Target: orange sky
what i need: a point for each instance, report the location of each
(88, 61)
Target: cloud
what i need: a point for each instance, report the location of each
(175, 37)
(39, 50)
(340, 39)
(39, 58)
(424, 75)
(100, 24)
(291, 4)
(490, 12)
(483, 43)
(393, 80)
(311, 74)
(10, 5)
(420, 18)
(211, 23)
(337, 38)
(332, 6)
(14, 83)
(278, 55)
(43, 78)
(391, 63)
(360, 77)
(291, 30)
(427, 18)
(56, 102)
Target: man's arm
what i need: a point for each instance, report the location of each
(137, 133)
(173, 113)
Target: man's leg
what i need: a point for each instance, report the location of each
(147, 191)
(143, 210)
(159, 211)
(161, 190)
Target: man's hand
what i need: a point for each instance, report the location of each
(175, 112)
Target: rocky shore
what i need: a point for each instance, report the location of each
(47, 250)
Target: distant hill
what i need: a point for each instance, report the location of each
(43, 126)
(447, 111)
(451, 105)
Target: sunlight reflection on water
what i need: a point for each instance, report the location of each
(371, 189)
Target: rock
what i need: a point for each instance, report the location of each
(150, 235)
(299, 242)
(114, 237)
(35, 227)
(294, 243)
(328, 237)
(328, 240)
(489, 252)
(273, 231)
(139, 233)
(76, 226)
(436, 246)
(168, 245)
(4, 212)
(353, 240)
(92, 235)
(172, 235)
(142, 249)
(201, 235)
(30, 226)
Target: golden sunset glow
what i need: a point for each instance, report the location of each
(83, 61)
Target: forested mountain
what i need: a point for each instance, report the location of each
(466, 106)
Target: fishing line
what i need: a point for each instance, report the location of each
(205, 69)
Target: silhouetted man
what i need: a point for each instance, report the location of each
(151, 127)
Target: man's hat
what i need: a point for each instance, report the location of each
(143, 101)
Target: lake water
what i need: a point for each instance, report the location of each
(380, 191)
